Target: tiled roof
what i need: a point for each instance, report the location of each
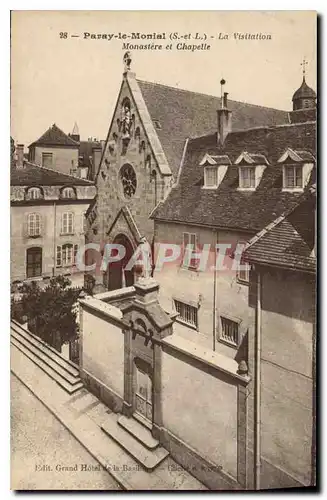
(226, 206)
(283, 243)
(178, 114)
(54, 136)
(34, 175)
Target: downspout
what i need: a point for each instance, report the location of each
(214, 315)
(54, 237)
(257, 386)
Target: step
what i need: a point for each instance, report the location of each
(148, 459)
(141, 433)
(142, 420)
(47, 359)
(71, 389)
(45, 348)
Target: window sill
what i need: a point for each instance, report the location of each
(193, 269)
(243, 282)
(210, 187)
(35, 278)
(67, 234)
(188, 325)
(34, 236)
(292, 190)
(226, 342)
(246, 189)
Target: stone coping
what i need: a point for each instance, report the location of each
(215, 360)
(112, 312)
(115, 294)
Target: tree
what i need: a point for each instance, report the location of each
(12, 151)
(50, 311)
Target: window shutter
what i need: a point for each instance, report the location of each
(58, 257)
(75, 254)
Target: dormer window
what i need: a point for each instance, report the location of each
(297, 168)
(34, 193)
(247, 177)
(215, 168)
(293, 177)
(211, 177)
(251, 168)
(68, 192)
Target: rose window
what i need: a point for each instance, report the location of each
(128, 180)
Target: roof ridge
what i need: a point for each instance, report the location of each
(209, 95)
(59, 173)
(49, 129)
(260, 127)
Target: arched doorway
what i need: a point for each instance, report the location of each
(118, 277)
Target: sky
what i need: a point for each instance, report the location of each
(67, 80)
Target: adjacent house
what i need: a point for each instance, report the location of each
(66, 153)
(282, 349)
(47, 222)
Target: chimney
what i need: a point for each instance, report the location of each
(224, 116)
(96, 158)
(20, 155)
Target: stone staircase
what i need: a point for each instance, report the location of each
(60, 369)
(136, 440)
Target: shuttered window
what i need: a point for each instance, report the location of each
(187, 314)
(229, 331)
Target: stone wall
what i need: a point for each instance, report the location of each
(199, 397)
(102, 351)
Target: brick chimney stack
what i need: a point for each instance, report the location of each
(224, 116)
(20, 155)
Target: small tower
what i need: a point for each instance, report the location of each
(304, 97)
(75, 133)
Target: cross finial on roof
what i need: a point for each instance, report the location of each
(222, 83)
(303, 64)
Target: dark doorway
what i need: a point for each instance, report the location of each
(34, 262)
(118, 277)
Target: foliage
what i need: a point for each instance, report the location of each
(50, 311)
(12, 151)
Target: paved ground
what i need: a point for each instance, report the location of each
(42, 447)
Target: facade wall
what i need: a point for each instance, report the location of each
(63, 159)
(103, 351)
(194, 399)
(51, 236)
(150, 189)
(287, 378)
(197, 287)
